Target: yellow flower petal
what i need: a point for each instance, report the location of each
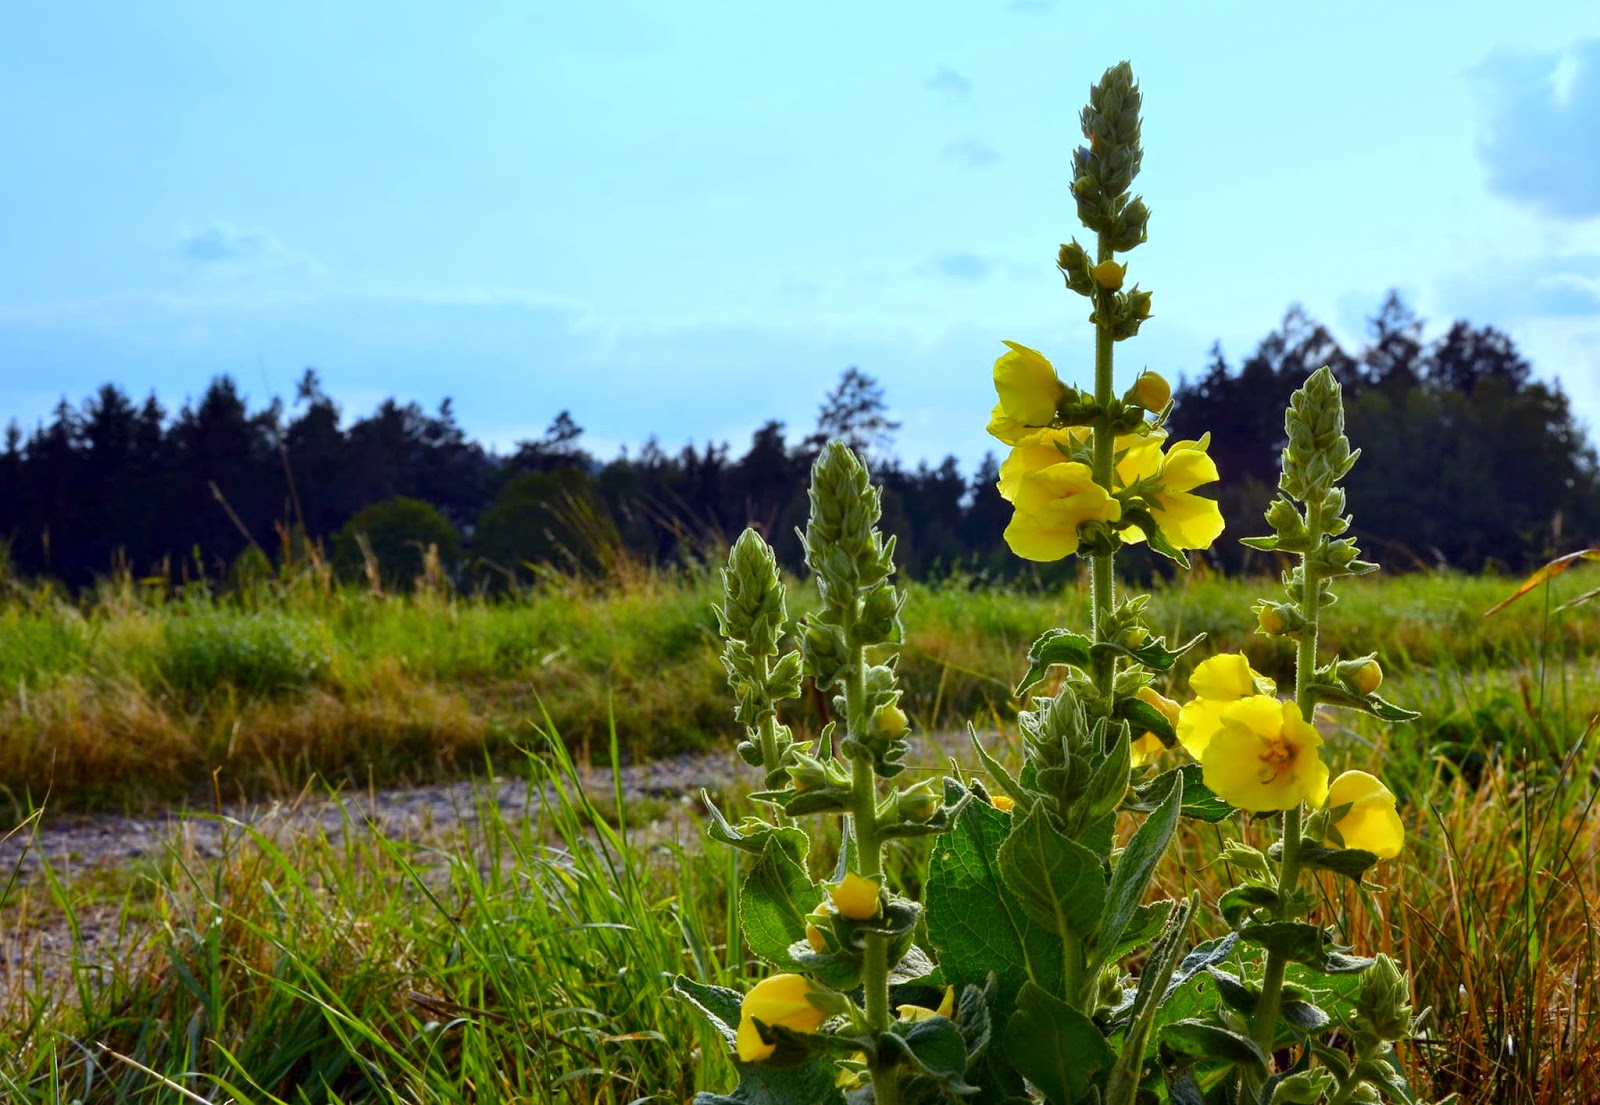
(923, 1013)
(1264, 757)
(1003, 802)
(776, 1000)
(1147, 746)
(1008, 429)
(1030, 457)
(1187, 521)
(1372, 825)
(1223, 678)
(1187, 467)
(1198, 722)
(1028, 386)
(1052, 503)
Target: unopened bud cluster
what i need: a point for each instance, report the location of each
(860, 608)
(752, 618)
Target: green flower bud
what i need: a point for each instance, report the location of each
(1075, 266)
(1383, 1004)
(1318, 453)
(1130, 227)
(1076, 408)
(1139, 303)
(919, 803)
(808, 773)
(889, 722)
(1270, 619)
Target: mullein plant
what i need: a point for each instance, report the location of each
(1012, 979)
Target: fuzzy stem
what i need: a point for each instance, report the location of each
(768, 732)
(869, 862)
(1305, 666)
(1102, 569)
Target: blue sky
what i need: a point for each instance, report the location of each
(686, 218)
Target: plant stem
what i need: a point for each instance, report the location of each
(869, 863)
(1102, 569)
(1266, 1017)
(769, 739)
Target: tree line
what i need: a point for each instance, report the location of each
(1468, 461)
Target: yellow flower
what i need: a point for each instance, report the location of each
(1147, 746)
(1003, 802)
(1224, 678)
(856, 897)
(1372, 823)
(1151, 391)
(1367, 678)
(1186, 520)
(1271, 619)
(1028, 385)
(1264, 757)
(814, 937)
(778, 1000)
(922, 1013)
(1040, 449)
(1052, 502)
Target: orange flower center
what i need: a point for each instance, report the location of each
(1276, 758)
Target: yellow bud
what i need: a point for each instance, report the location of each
(1271, 620)
(778, 1000)
(1367, 678)
(856, 897)
(1003, 802)
(815, 939)
(1151, 391)
(890, 720)
(1109, 274)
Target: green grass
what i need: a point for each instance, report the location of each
(124, 702)
(524, 960)
(513, 957)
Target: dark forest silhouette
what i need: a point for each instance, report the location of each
(1467, 461)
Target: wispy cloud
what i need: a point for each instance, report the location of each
(949, 84)
(960, 265)
(1542, 113)
(973, 153)
(223, 241)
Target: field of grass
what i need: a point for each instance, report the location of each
(523, 960)
(117, 701)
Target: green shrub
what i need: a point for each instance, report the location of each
(261, 653)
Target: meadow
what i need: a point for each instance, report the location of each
(523, 958)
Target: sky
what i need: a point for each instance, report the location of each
(684, 219)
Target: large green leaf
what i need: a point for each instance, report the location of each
(811, 1084)
(1132, 873)
(1055, 879)
(974, 925)
(1056, 1047)
(773, 903)
(1054, 646)
(1203, 1040)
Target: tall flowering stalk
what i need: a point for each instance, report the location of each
(1263, 754)
(1013, 978)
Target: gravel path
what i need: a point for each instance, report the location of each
(73, 845)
